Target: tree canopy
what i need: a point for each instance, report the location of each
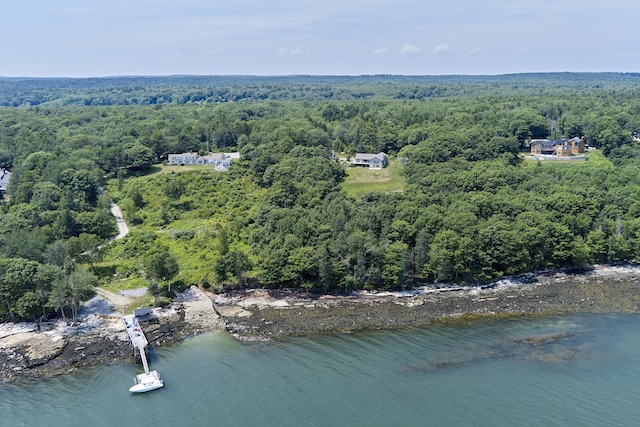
(471, 208)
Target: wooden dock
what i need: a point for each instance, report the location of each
(137, 338)
(150, 380)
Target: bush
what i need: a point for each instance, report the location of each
(164, 301)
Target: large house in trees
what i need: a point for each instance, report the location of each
(560, 147)
(221, 161)
(373, 161)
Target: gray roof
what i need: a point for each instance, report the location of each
(215, 156)
(542, 141)
(370, 156)
(549, 143)
(181, 155)
(142, 312)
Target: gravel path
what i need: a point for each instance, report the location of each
(114, 301)
(123, 230)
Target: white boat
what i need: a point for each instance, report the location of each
(147, 382)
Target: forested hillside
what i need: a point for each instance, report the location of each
(472, 208)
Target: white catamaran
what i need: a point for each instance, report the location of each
(147, 382)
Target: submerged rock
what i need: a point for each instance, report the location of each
(538, 340)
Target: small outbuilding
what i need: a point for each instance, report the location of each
(143, 313)
(5, 176)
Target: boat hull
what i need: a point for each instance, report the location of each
(142, 388)
(147, 382)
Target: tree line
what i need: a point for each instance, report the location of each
(180, 90)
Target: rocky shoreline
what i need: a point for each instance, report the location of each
(259, 315)
(61, 348)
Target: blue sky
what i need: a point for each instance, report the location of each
(81, 38)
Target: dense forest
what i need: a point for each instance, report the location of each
(179, 90)
(472, 208)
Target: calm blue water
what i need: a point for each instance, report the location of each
(475, 374)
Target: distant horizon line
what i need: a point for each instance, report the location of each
(124, 76)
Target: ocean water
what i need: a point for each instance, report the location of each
(579, 370)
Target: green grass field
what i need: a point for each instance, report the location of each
(160, 169)
(595, 158)
(186, 227)
(361, 181)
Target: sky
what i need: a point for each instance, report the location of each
(93, 38)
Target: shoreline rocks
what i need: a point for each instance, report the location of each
(260, 315)
(61, 348)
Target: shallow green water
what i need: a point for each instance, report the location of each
(568, 371)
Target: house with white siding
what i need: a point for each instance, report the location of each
(372, 161)
(184, 159)
(221, 161)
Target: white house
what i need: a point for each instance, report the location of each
(221, 161)
(184, 159)
(373, 161)
(5, 175)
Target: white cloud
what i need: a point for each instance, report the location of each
(472, 49)
(442, 48)
(409, 49)
(296, 51)
(380, 51)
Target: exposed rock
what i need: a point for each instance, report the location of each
(233, 311)
(61, 348)
(267, 315)
(279, 314)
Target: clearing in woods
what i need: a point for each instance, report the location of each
(361, 180)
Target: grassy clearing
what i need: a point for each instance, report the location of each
(361, 181)
(144, 301)
(595, 158)
(187, 227)
(137, 302)
(162, 169)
